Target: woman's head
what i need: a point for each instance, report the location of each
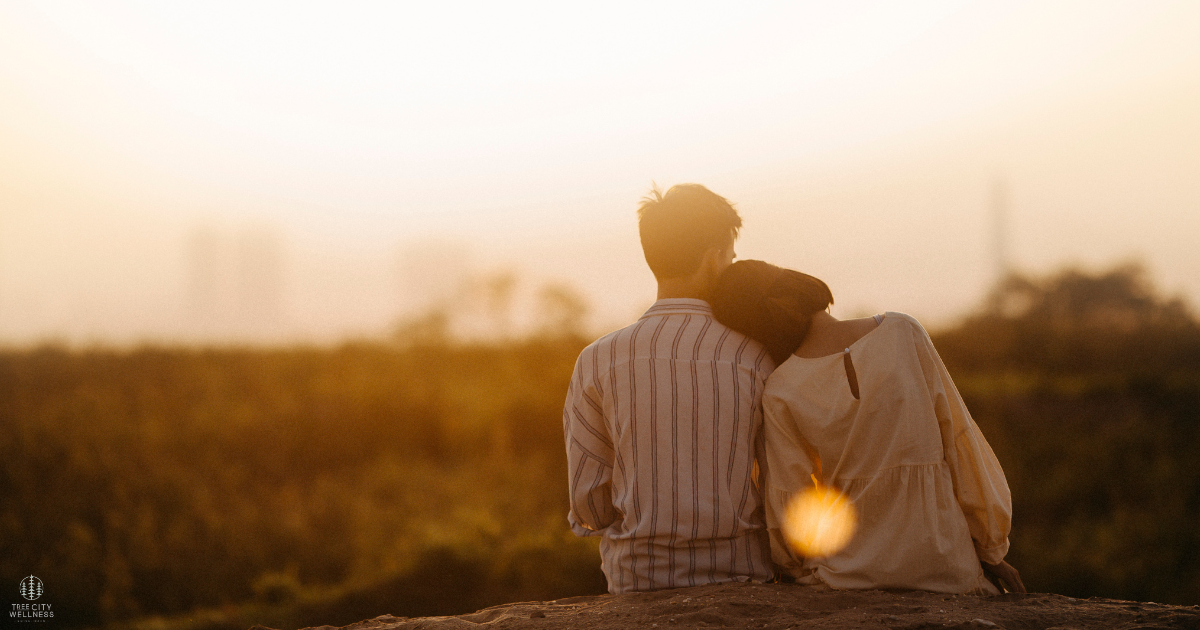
(770, 304)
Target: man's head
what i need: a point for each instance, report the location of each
(687, 233)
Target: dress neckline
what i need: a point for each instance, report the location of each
(881, 318)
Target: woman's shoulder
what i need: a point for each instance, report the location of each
(894, 315)
(903, 331)
(908, 320)
(909, 338)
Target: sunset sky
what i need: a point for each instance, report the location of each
(312, 172)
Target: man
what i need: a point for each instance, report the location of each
(662, 418)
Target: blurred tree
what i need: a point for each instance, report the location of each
(332, 483)
(1088, 388)
(561, 311)
(431, 328)
(1075, 321)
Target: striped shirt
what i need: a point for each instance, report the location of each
(663, 427)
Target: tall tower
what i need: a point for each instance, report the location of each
(1001, 265)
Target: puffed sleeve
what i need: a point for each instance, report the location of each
(791, 460)
(589, 455)
(979, 482)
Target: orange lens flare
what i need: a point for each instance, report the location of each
(820, 521)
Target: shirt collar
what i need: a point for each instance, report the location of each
(678, 306)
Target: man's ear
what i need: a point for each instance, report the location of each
(711, 264)
(711, 260)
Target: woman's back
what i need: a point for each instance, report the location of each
(883, 423)
(827, 335)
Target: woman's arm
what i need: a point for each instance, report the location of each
(791, 460)
(1004, 576)
(979, 483)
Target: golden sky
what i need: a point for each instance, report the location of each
(354, 161)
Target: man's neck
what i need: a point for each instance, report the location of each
(682, 288)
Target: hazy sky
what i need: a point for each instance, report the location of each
(283, 171)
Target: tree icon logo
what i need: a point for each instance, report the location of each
(31, 588)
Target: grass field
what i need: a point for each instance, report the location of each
(183, 488)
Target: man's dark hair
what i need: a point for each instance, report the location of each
(678, 227)
(772, 305)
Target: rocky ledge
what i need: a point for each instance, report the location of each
(784, 606)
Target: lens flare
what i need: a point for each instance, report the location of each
(820, 521)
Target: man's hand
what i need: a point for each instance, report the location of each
(1004, 576)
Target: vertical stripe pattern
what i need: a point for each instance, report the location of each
(663, 429)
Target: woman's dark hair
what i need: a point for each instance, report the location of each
(769, 304)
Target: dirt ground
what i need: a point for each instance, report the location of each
(784, 606)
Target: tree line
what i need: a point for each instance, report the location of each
(219, 488)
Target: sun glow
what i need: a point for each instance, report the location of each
(820, 521)
(860, 140)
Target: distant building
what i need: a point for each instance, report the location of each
(235, 285)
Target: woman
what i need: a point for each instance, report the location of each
(866, 406)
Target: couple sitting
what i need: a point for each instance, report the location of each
(683, 456)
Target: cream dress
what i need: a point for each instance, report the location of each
(930, 495)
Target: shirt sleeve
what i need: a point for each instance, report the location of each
(589, 455)
(979, 483)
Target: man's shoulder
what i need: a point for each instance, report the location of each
(604, 346)
(709, 340)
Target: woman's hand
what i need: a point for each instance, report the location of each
(1004, 576)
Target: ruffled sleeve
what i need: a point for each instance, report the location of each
(791, 460)
(979, 483)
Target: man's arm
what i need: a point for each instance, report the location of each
(589, 455)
